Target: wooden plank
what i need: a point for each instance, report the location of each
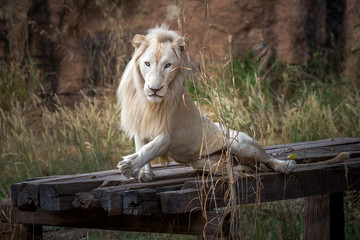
(315, 144)
(184, 200)
(265, 187)
(87, 201)
(26, 194)
(169, 188)
(324, 217)
(58, 196)
(140, 202)
(317, 154)
(110, 198)
(174, 171)
(189, 224)
(195, 196)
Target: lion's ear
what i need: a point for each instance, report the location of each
(183, 43)
(138, 40)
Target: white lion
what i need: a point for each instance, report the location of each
(165, 121)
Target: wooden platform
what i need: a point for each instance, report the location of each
(107, 200)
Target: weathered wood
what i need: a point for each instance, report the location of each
(172, 172)
(195, 196)
(318, 154)
(324, 217)
(25, 195)
(178, 189)
(140, 202)
(59, 196)
(265, 187)
(57, 193)
(110, 198)
(184, 200)
(87, 201)
(314, 144)
(190, 224)
(169, 188)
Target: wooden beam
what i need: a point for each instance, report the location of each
(56, 193)
(59, 195)
(324, 217)
(140, 202)
(186, 223)
(315, 180)
(315, 144)
(111, 198)
(317, 154)
(25, 195)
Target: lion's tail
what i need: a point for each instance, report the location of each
(342, 157)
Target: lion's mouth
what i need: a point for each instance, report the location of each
(155, 98)
(155, 95)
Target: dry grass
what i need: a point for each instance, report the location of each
(36, 141)
(298, 107)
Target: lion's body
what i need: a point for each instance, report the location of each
(176, 114)
(164, 120)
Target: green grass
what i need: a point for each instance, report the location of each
(18, 81)
(36, 141)
(289, 104)
(286, 104)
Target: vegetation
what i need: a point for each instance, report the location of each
(285, 104)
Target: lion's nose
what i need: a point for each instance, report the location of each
(155, 89)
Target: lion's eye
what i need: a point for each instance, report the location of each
(147, 64)
(167, 65)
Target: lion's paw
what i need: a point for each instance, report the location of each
(282, 166)
(126, 166)
(145, 175)
(289, 166)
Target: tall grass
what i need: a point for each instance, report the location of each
(288, 105)
(285, 104)
(36, 141)
(18, 81)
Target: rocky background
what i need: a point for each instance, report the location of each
(77, 43)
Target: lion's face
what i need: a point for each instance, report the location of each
(158, 63)
(157, 66)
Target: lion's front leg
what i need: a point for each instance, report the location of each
(131, 165)
(146, 174)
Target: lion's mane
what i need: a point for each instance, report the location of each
(139, 116)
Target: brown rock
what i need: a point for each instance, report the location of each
(83, 42)
(352, 41)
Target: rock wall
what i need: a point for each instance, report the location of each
(352, 41)
(84, 42)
